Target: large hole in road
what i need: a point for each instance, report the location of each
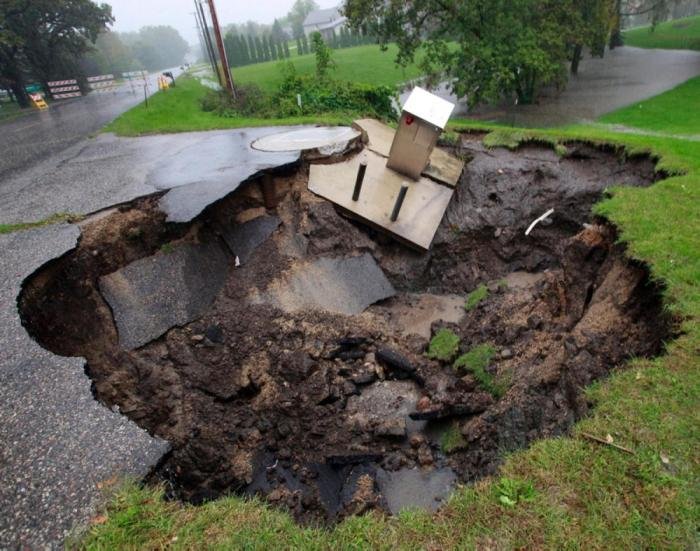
(328, 412)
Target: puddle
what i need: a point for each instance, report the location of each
(284, 384)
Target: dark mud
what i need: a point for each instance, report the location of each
(327, 415)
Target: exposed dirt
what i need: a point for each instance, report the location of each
(312, 409)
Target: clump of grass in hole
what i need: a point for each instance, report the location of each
(167, 248)
(443, 346)
(475, 362)
(476, 296)
(452, 439)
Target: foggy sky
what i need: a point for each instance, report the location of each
(131, 15)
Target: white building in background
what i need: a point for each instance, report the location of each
(325, 21)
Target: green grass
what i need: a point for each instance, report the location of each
(443, 346)
(475, 362)
(452, 439)
(661, 114)
(569, 492)
(476, 296)
(367, 64)
(53, 219)
(10, 110)
(681, 34)
(178, 110)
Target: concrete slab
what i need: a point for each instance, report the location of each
(154, 294)
(422, 210)
(303, 139)
(339, 285)
(443, 167)
(244, 238)
(59, 445)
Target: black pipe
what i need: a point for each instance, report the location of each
(358, 182)
(399, 202)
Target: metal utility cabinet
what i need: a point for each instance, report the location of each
(423, 119)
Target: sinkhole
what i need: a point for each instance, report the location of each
(299, 355)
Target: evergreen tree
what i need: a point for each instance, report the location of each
(300, 47)
(245, 53)
(232, 52)
(252, 49)
(286, 49)
(273, 48)
(305, 44)
(259, 52)
(280, 51)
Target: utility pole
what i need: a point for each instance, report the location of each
(204, 29)
(222, 51)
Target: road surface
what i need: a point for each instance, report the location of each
(38, 134)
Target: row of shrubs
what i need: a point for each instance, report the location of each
(318, 95)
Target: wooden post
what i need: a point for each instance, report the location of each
(222, 50)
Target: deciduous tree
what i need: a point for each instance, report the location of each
(485, 49)
(42, 37)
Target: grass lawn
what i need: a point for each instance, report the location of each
(10, 110)
(368, 64)
(577, 494)
(662, 113)
(178, 110)
(681, 34)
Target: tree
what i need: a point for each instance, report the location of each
(300, 47)
(305, 44)
(110, 55)
(298, 13)
(324, 60)
(278, 34)
(43, 37)
(259, 50)
(485, 49)
(287, 54)
(253, 50)
(157, 47)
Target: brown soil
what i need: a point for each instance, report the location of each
(256, 400)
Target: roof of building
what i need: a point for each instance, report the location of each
(429, 107)
(321, 17)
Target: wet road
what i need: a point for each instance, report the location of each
(33, 137)
(624, 76)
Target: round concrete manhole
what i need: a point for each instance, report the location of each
(303, 139)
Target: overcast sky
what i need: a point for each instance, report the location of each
(133, 14)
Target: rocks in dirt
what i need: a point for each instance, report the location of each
(383, 408)
(360, 492)
(339, 285)
(413, 488)
(398, 366)
(244, 238)
(150, 296)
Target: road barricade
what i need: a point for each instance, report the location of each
(63, 89)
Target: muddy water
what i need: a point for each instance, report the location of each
(330, 414)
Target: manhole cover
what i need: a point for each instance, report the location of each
(306, 138)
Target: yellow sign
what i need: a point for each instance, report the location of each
(38, 101)
(163, 83)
